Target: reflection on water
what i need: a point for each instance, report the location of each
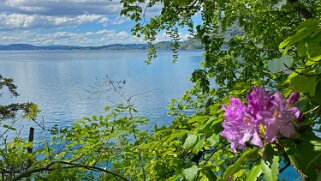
(57, 80)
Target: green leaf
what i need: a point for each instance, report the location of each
(101, 117)
(314, 47)
(95, 118)
(174, 178)
(271, 170)
(306, 156)
(199, 145)
(32, 112)
(318, 93)
(204, 178)
(190, 174)
(199, 119)
(302, 83)
(213, 139)
(238, 165)
(302, 49)
(209, 174)
(304, 31)
(8, 127)
(184, 2)
(254, 173)
(179, 133)
(190, 141)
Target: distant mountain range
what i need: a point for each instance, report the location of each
(191, 44)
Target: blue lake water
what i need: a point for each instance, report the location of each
(59, 81)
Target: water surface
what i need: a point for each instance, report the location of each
(57, 81)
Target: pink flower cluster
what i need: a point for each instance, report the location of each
(265, 117)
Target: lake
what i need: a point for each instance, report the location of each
(66, 84)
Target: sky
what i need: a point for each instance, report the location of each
(67, 22)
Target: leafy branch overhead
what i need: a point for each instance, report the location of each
(241, 39)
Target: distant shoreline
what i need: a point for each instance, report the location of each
(191, 44)
(75, 50)
(81, 49)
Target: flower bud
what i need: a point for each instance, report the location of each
(301, 117)
(294, 97)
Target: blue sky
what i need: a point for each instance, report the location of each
(67, 22)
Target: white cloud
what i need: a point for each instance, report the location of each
(22, 21)
(29, 21)
(104, 21)
(91, 38)
(61, 7)
(120, 20)
(16, 14)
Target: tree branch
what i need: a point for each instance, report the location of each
(72, 165)
(301, 9)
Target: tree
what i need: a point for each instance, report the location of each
(241, 38)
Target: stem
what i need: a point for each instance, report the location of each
(140, 158)
(46, 137)
(214, 151)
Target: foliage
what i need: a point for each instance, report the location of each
(240, 39)
(10, 111)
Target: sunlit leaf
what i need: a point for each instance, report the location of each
(190, 141)
(190, 174)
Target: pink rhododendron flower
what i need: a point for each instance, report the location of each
(281, 118)
(270, 111)
(239, 126)
(258, 100)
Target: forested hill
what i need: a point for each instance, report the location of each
(191, 44)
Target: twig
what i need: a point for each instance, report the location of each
(285, 167)
(143, 93)
(209, 157)
(140, 158)
(312, 110)
(13, 122)
(93, 168)
(46, 137)
(300, 73)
